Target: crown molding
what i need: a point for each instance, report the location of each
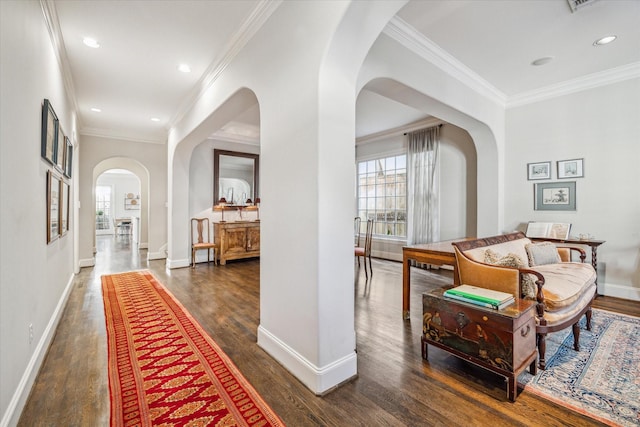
(591, 81)
(235, 138)
(55, 35)
(238, 41)
(400, 31)
(107, 134)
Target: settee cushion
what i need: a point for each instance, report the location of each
(528, 285)
(542, 253)
(565, 283)
(512, 247)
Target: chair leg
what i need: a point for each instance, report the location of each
(370, 267)
(588, 315)
(542, 348)
(366, 275)
(576, 336)
(193, 258)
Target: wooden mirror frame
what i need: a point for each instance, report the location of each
(216, 174)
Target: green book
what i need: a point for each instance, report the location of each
(479, 294)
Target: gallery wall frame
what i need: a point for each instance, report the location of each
(49, 133)
(61, 147)
(53, 206)
(540, 170)
(573, 168)
(555, 196)
(64, 207)
(68, 158)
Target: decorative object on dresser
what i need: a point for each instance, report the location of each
(222, 204)
(237, 240)
(199, 241)
(502, 341)
(563, 290)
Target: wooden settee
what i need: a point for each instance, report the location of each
(563, 289)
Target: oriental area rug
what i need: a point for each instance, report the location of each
(602, 380)
(164, 370)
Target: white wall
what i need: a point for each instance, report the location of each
(146, 159)
(29, 72)
(602, 126)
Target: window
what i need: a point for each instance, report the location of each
(382, 194)
(103, 207)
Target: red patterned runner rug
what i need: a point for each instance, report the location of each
(164, 370)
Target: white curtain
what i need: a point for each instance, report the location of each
(423, 222)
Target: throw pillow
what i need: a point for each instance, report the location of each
(542, 253)
(528, 287)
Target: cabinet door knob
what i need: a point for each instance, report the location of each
(524, 333)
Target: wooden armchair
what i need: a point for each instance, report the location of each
(201, 224)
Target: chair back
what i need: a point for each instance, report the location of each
(368, 238)
(201, 224)
(356, 230)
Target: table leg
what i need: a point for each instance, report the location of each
(406, 282)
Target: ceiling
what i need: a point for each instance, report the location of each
(133, 76)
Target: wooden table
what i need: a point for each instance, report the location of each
(437, 253)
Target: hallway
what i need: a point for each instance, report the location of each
(394, 387)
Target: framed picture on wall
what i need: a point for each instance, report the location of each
(64, 208)
(53, 205)
(555, 196)
(541, 170)
(68, 158)
(61, 147)
(570, 169)
(49, 132)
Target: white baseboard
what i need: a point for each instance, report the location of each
(87, 262)
(318, 379)
(619, 291)
(21, 394)
(143, 245)
(178, 263)
(155, 255)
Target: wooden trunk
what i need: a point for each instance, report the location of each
(502, 341)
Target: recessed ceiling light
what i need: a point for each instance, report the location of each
(155, 119)
(96, 110)
(604, 40)
(542, 61)
(184, 68)
(91, 42)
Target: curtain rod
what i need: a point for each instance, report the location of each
(440, 125)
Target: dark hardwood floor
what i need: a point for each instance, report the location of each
(394, 387)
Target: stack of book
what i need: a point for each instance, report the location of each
(480, 296)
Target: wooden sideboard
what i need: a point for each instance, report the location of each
(237, 240)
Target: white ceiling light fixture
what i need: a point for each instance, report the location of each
(155, 119)
(184, 68)
(96, 110)
(91, 42)
(542, 61)
(604, 40)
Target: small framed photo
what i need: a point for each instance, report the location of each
(53, 206)
(541, 170)
(64, 208)
(49, 133)
(68, 158)
(570, 169)
(61, 147)
(555, 196)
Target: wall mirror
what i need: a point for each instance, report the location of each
(235, 177)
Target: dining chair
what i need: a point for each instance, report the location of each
(356, 231)
(201, 224)
(365, 251)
